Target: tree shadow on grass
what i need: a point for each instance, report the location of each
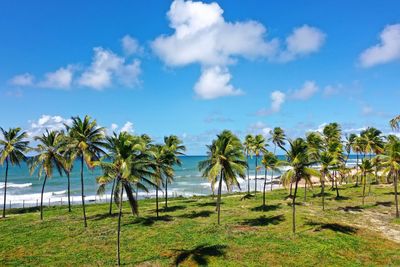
(200, 254)
(336, 227)
(264, 221)
(194, 214)
(208, 204)
(384, 203)
(174, 208)
(266, 207)
(339, 198)
(150, 220)
(351, 208)
(247, 196)
(98, 217)
(327, 194)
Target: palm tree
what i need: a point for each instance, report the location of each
(225, 159)
(326, 160)
(299, 161)
(258, 148)
(349, 144)
(47, 159)
(129, 166)
(269, 161)
(13, 147)
(68, 163)
(175, 148)
(278, 139)
(248, 148)
(394, 123)
(391, 164)
(86, 140)
(373, 142)
(366, 168)
(358, 147)
(162, 168)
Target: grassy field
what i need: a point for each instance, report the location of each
(346, 234)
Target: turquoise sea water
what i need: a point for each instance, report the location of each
(24, 189)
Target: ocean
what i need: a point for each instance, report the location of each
(23, 189)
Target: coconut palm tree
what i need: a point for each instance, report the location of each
(175, 148)
(278, 139)
(163, 170)
(366, 168)
(391, 164)
(349, 143)
(129, 167)
(248, 148)
(258, 149)
(47, 159)
(225, 159)
(358, 147)
(373, 141)
(86, 141)
(299, 162)
(394, 123)
(68, 163)
(13, 147)
(327, 161)
(269, 161)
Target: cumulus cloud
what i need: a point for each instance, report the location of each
(308, 89)
(25, 79)
(202, 36)
(303, 40)
(259, 128)
(130, 45)
(387, 50)
(59, 79)
(277, 99)
(107, 66)
(52, 123)
(214, 82)
(128, 127)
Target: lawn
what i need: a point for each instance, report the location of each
(345, 234)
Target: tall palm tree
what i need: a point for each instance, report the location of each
(225, 159)
(349, 143)
(129, 167)
(269, 161)
(86, 141)
(366, 168)
(68, 163)
(163, 170)
(175, 148)
(258, 149)
(278, 139)
(326, 160)
(394, 123)
(13, 147)
(358, 147)
(391, 164)
(47, 159)
(299, 162)
(248, 148)
(373, 141)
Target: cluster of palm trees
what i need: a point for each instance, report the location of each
(321, 155)
(130, 162)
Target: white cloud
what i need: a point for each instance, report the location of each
(106, 67)
(131, 46)
(128, 127)
(308, 89)
(25, 79)
(277, 99)
(59, 79)
(386, 51)
(114, 126)
(202, 36)
(259, 128)
(304, 40)
(52, 123)
(214, 82)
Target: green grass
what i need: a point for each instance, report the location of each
(346, 234)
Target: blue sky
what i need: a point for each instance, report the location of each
(195, 68)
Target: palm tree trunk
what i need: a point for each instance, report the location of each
(337, 188)
(157, 201)
(357, 170)
(265, 184)
(272, 174)
(364, 184)
(111, 197)
(248, 174)
(255, 178)
(119, 226)
(5, 189)
(294, 207)
(41, 197)
(83, 193)
(69, 191)
(219, 198)
(305, 190)
(395, 195)
(166, 193)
